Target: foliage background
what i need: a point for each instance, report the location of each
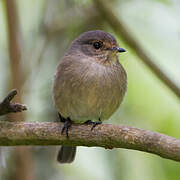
(46, 29)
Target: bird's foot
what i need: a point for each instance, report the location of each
(62, 119)
(94, 124)
(88, 122)
(67, 125)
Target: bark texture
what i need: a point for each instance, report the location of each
(105, 135)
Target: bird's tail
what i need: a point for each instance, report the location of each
(66, 154)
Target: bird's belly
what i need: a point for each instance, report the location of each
(93, 107)
(89, 106)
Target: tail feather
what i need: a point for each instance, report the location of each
(66, 154)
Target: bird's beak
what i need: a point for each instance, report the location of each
(118, 49)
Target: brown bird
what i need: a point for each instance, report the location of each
(89, 83)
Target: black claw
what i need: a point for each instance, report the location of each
(67, 125)
(62, 119)
(94, 124)
(88, 122)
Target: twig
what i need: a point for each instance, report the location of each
(105, 135)
(7, 107)
(121, 30)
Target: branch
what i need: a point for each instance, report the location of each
(105, 135)
(7, 107)
(15, 45)
(122, 31)
(22, 156)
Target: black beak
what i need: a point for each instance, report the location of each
(120, 50)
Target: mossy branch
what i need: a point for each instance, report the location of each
(105, 135)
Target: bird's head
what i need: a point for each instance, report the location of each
(99, 45)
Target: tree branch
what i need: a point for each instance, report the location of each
(121, 30)
(7, 107)
(105, 135)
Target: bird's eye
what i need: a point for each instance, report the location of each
(97, 45)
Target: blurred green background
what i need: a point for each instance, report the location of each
(44, 30)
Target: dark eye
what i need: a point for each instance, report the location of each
(97, 45)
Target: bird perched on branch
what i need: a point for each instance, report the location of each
(89, 83)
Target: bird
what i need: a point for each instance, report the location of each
(89, 83)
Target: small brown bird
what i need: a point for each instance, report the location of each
(89, 83)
